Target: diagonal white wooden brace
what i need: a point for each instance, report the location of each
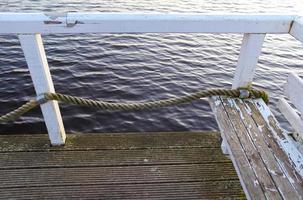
(34, 53)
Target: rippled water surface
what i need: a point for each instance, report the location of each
(141, 67)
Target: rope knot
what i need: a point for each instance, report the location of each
(41, 98)
(249, 92)
(244, 93)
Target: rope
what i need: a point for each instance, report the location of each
(19, 111)
(242, 93)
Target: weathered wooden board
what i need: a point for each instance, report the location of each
(241, 161)
(166, 191)
(295, 157)
(184, 165)
(256, 133)
(99, 158)
(273, 137)
(267, 148)
(116, 175)
(107, 141)
(250, 145)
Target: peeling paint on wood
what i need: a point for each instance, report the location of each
(266, 146)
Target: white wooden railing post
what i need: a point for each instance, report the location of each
(34, 53)
(248, 59)
(247, 62)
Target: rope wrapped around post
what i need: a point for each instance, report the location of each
(242, 93)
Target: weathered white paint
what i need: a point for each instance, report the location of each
(216, 101)
(297, 29)
(248, 59)
(143, 23)
(224, 146)
(284, 140)
(293, 89)
(291, 115)
(34, 53)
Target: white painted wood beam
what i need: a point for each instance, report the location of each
(292, 116)
(297, 29)
(248, 59)
(34, 53)
(293, 89)
(143, 23)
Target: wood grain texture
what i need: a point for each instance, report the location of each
(166, 191)
(106, 141)
(268, 149)
(23, 160)
(179, 165)
(282, 157)
(259, 139)
(251, 185)
(249, 146)
(116, 175)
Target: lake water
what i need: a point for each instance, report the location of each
(141, 67)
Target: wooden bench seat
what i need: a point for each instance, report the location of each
(266, 158)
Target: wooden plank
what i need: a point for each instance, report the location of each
(292, 117)
(297, 28)
(263, 141)
(23, 160)
(105, 141)
(13, 178)
(251, 185)
(248, 59)
(175, 171)
(30, 23)
(294, 90)
(172, 191)
(34, 53)
(258, 167)
(289, 156)
(261, 114)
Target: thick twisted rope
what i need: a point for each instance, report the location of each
(19, 111)
(234, 93)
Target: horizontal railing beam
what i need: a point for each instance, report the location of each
(30, 23)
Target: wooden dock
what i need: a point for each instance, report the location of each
(185, 165)
(178, 165)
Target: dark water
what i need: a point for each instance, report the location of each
(139, 67)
